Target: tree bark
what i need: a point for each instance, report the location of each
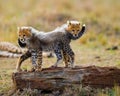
(59, 78)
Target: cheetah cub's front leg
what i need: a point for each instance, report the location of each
(66, 59)
(69, 56)
(39, 61)
(33, 59)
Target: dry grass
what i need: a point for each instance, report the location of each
(103, 31)
(100, 17)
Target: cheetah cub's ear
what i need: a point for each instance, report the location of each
(68, 23)
(80, 23)
(18, 30)
(29, 29)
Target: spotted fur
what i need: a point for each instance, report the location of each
(10, 50)
(57, 40)
(7, 46)
(74, 30)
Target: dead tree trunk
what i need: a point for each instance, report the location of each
(58, 78)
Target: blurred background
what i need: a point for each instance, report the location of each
(102, 18)
(99, 46)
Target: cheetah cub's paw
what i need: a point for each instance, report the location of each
(53, 66)
(38, 69)
(31, 70)
(17, 70)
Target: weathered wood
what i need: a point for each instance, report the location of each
(58, 78)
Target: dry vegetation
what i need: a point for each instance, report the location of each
(103, 32)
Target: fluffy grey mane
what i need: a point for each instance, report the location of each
(48, 37)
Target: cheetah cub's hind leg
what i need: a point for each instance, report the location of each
(21, 59)
(58, 54)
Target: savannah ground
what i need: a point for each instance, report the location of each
(103, 32)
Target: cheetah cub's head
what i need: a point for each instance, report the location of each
(74, 27)
(24, 33)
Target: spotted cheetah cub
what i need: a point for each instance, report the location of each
(57, 40)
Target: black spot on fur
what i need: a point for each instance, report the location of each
(21, 44)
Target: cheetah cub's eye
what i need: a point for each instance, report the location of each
(73, 30)
(78, 30)
(24, 35)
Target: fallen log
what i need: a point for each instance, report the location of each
(59, 78)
